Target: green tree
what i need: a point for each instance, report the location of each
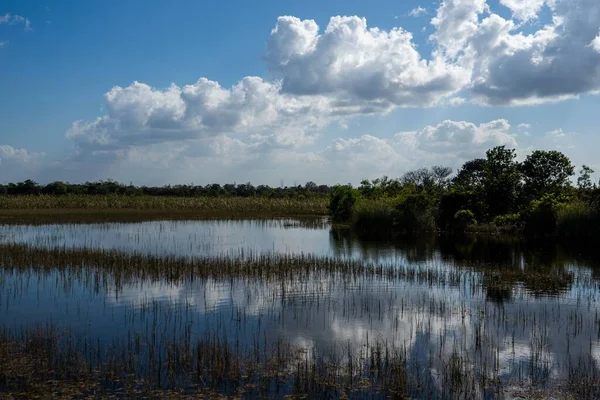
(441, 175)
(471, 175)
(546, 173)
(584, 181)
(341, 203)
(502, 181)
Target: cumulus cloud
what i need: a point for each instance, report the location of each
(449, 142)
(368, 68)
(458, 139)
(508, 66)
(365, 153)
(524, 10)
(139, 114)
(18, 164)
(9, 154)
(350, 69)
(456, 22)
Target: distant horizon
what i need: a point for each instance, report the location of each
(335, 92)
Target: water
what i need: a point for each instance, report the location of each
(519, 312)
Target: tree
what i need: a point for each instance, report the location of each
(584, 181)
(441, 174)
(341, 203)
(502, 181)
(546, 173)
(310, 186)
(56, 188)
(421, 178)
(471, 176)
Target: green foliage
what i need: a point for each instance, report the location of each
(541, 217)
(508, 221)
(497, 192)
(471, 175)
(341, 203)
(415, 214)
(455, 200)
(577, 219)
(502, 181)
(110, 187)
(374, 215)
(464, 219)
(546, 173)
(584, 181)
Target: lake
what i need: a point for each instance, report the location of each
(296, 306)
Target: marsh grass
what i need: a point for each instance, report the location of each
(159, 355)
(86, 208)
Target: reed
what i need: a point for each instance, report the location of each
(87, 208)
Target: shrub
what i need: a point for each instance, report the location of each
(415, 213)
(341, 203)
(463, 219)
(541, 217)
(577, 219)
(508, 221)
(374, 215)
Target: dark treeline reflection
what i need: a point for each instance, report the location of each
(542, 267)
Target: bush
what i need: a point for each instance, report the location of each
(463, 219)
(341, 203)
(577, 219)
(374, 215)
(508, 221)
(541, 217)
(415, 213)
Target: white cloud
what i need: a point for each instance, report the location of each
(524, 126)
(139, 114)
(365, 153)
(350, 69)
(12, 19)
(456, 22)
(596, 43)
(18, 164)
(524, 10)
(458, 139)
(365, 69)
(553, 63)
(19, 156)
(417, 11)
(457, 101)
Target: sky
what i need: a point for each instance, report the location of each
(282, 92)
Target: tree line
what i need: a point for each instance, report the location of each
(538, 196)
(110, 187)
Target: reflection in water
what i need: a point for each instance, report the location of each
(523, 312)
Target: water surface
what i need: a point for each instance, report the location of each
(531, 330)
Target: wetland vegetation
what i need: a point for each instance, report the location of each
(535, 197)
(263, 308)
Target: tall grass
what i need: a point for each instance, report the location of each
(117, 207)
(577, 220)
(374, 215)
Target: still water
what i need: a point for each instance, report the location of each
(528, 312)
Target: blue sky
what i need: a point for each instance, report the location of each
(290, 93)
